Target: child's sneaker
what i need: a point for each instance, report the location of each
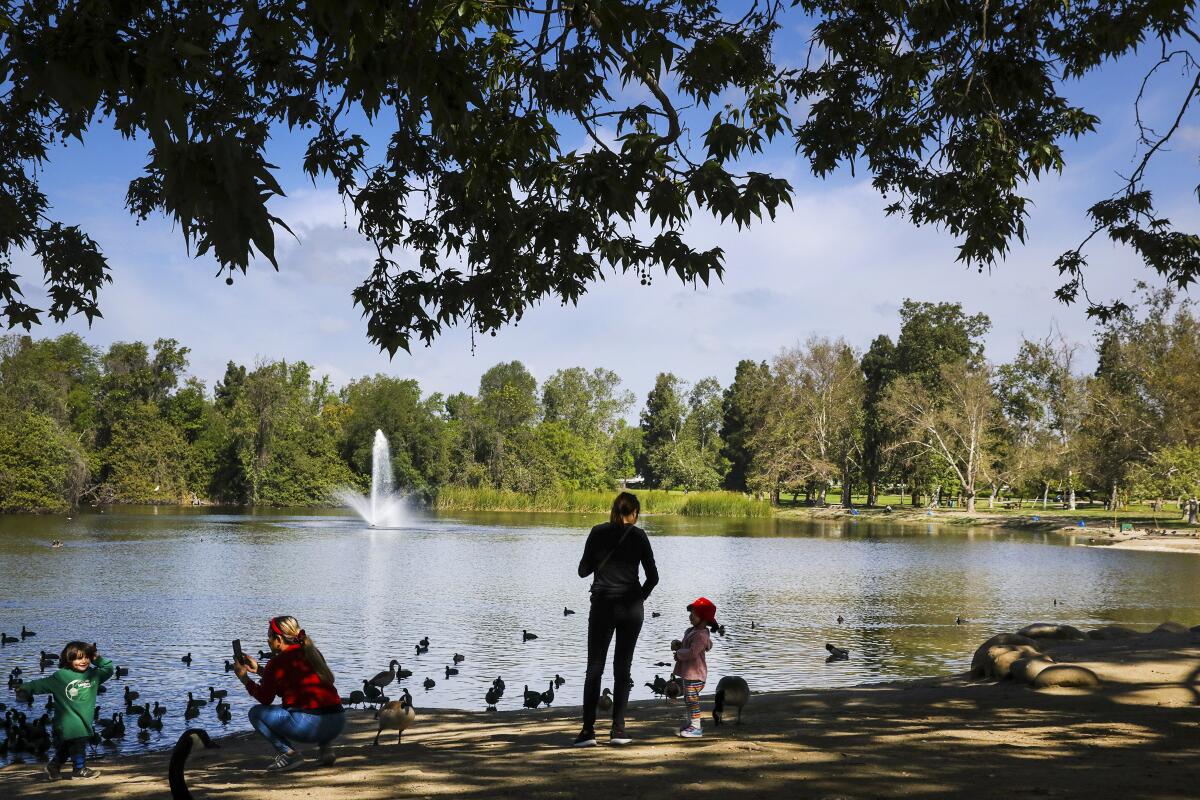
(53, 770)
(86, 772)
(691, 733)
(619, 737)
(586, 738)
(285, 761)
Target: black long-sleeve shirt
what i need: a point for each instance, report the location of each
(618, 576)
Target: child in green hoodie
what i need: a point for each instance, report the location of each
(81, 670)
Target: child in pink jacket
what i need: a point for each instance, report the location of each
(691, 664)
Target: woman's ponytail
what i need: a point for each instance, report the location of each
(626, 505)
(294, 634)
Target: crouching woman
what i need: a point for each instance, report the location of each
(310, 709)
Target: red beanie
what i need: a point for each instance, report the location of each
(704, 609)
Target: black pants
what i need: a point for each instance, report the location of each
(609, 615)
(72, 750)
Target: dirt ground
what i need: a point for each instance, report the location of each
(1136, 737)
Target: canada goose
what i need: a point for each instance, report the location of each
(532, 699)
(548, 695)
(526, 636)
(187, 659)
(217, 694)
(450, 671)
(26, 633)
(492, 696)
(6, 639)
(567, 612)
(397, 716)
(559, 680)
(836, 653)
(606, 702)
(429, 683)
(384, 678)
(733, 691)
(179, 757)
(459, 658)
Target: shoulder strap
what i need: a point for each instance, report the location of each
(616, 547)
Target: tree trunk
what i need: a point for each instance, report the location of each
(992, 498)
(821, 494)
(1192, 509)
(1045, 494)
(1071, 497)
(971, 503)
(847, 489)
(872, 493)
(915, 497)
(1112, 496)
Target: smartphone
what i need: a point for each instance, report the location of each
(237, 652)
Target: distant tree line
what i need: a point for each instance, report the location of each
(926, 415)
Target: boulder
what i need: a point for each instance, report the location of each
(1026, 670)
(981, 663)
(1047, 630)
(1171, 627)
(1109, 632)
(1002, 661)
(1066, 675)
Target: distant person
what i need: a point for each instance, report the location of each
(310, 709)
(74, 686)
(691, 661)
(612, 553)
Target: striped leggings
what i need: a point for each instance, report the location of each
(691, 695)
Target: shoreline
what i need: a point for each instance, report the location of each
(933, 737)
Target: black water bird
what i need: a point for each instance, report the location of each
(421, 650)
(659, 685)
(559, 680)
(187, 659)
(655, 614)
(450, 672)
(492, 696)
(424, 642)
(840, 619)
(836, 653)
(371, 691)
(526, 636)
(191, 712)
(223, 712)
(548, 695)
(532, 699)
(217, 694)
(429, 683)
(228, 665)
(158, 710)
(958, 620)
(567, 612)
(459, 658)
(130, 696)
(499, 684)
(661, 664)
(26, 633)
(732, 691)
(605, 703)
(179, 756)
(6, 639)
(122, 672)
(356, 698)
(384, 678)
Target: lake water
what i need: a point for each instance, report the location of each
(150, 586)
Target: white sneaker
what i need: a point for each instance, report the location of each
(691, 733)
(285, 761)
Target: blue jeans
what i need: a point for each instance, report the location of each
(281, 726)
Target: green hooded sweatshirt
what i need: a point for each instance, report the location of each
(74, 697)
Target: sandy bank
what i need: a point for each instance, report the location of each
(1137, 736)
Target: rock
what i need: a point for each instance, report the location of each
(1002, 661)
(1047, 630)
(1026, 670)
(1112, 632)
(1066, 675)
(1171, 627)
(981, 663)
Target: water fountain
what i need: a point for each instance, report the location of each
(383, 508)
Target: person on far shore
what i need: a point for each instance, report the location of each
(691, 663)
(310, 711)
(612, 553)
(74, 686)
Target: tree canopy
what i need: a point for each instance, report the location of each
(481, 200)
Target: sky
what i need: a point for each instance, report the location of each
(833, 265)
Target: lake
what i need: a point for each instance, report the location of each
(150, 586)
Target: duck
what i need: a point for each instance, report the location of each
(217, 694)
(48, 659)
(532, 699)
(130, 696)
(429, 683)
(492, 696)
(548, 695)
(135, 711)
(733, 691)
(121, 672)
(145, 720)
(187, 659)
(673, 689)
(6, 639)
(567, 612)
(526, 636)
(26, 633)
(605, 703)
(179, 756)
(836, 653)
(458, 659)
(264, 656)
(559, 680)
(450, 671)
(384, 678)
(398, 716)
(402, 673)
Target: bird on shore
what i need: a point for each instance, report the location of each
(371, 692)
(605, 703)
(526, 636)
(567, 612)
(450, 671)
(26, 633)
(387, 676)
(492, 696)
(532, 699)
(397, 716)
(673, 689)
(836, 653)
(179, 756)
(548, 695)
(458, 659)
(659, 685)
(499, 684)
(732, 691)
(187, 659)
(429, 683)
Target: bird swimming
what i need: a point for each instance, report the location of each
(567, 612)
(836, 653)
(526, 636)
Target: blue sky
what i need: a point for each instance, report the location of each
(833, 265)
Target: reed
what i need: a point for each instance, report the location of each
(654, 501)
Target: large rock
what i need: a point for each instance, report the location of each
(1047, 630)
(1005, 655)
(981, 663)
(1066, 675)
(1109, 632)
(1171, 627)
(1026, 670)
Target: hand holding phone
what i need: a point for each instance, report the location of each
(238, 656)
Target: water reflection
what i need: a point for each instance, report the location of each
(149, 587)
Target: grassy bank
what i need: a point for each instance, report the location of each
(654, 501)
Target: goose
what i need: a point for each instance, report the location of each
(532, 699)
(6, 639)
(187, 659)
(559, 680)
(397, 716)
(567, 612)
(450, 671)
(197, 702)
(26, 633)
(605, 703)
(492, 697)
(217, 694)
(526, 636)
(733, 691)
(836, 653)
(371, 691)
(548, 695)
(459, 658)
(429, 684)
(384, 678)
(179, 757)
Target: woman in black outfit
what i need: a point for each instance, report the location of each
(611, 555)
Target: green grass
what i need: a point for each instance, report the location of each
(654, 501)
